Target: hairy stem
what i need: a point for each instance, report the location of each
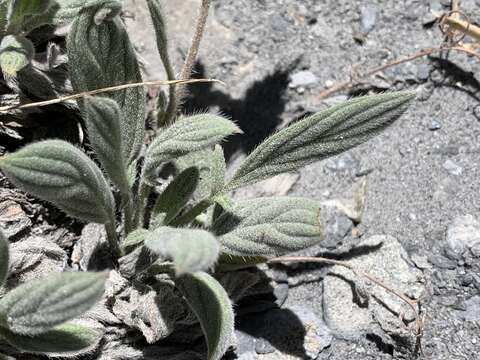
(194, 47)
(127, 213)
(113, 240)
(144, 192)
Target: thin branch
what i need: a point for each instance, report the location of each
(194, 47)
(345, 85)
(104, 90)
(411, 303)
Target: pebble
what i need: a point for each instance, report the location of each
(423, 72)
(281, 293)
(442, 262)
(262, 346)
(302, 79)
(368, 18)
(463, 234)
(452, 168)
(434, 125)
(341, 163)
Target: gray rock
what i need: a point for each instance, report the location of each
(463, 234)
(344, 162)
(13, 219)
(302, 78)
(434, 125)
(337, 227)
(423, 72)
(91, 252)
(281, 293)
(349, 317)
(452, 167)
(368, 18)
(442, 262)
(35, 258)
(262, 346)
(472, 309)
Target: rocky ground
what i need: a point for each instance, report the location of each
(419, 230)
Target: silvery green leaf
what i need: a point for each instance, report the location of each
(101, 55)
(321, 135)
(212, 166)
(134, 240)
(64, 11)
(65, 338)
(103, 117)
(210, 303)
(190, 249)
(267, 227)
(39, 305)
(190, 134)
(4, 258)
(58, 172)
(16, 52)
(175, 196)
(21, 9)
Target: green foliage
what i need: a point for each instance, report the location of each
(269, 226)
(33, 316)
(213, 308)
(93, 42)
(16, 52)
(190, 249)
(321, 135)
(194, 224)
(58, 172)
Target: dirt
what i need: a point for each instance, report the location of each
(422, 174)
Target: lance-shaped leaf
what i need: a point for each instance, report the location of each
(269, 227)
(16, 52)
(321, 135)
(210, 303)
(134, 240)
(103, 117)
(64, 11)
(190, 249)
(58, 172)
(212, 166)
(101, 55)
(187, 135)
(39, 305)
(20, 9)
(175, 196)
(4, 258)
(65, 338)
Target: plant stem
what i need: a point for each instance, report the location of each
(190, 215)
(127, 213)
(194, 47)
(144, 192)
(113, 240)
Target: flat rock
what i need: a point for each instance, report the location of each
(463, 234)
(13, 219)
(346, 309)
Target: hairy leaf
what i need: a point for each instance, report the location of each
(39, 305)
(103, 117)
(227, 263)
(20, 9)
(16, 52)
(65, 338)
(63, 11)
(267, 227)
(187, 135)
(4, 258)
(190, 249)
(58, 172)
(212, 166)
(213, 308)
(101, 55)
(321, 135)
(175, 196)
(134, 240)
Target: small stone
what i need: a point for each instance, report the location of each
(452, 168)
(342, 163)
(442, 262)
(472, 309)
(463, 234)
(281, 293)
(423, 72)
(262, 346)
(368, 18)
(434, 125)
(302, 79)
